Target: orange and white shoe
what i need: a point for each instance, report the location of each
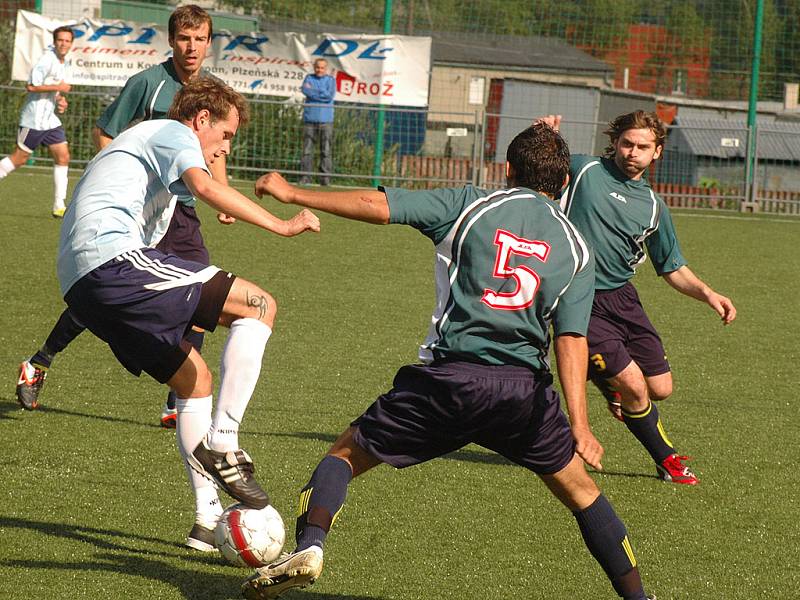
(169, 417)
(29, 384)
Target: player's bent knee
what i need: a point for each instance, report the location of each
(193, 379)
(572, 485)
(262, 306)
(247, 300)
(660, 386)
(662, 394)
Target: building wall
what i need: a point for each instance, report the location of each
(450, 89)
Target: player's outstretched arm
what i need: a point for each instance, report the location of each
(572, 354)
(370, 206)
(229, 201)
(686, 282)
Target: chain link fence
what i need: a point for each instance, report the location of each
(701, 166)
(496, 64)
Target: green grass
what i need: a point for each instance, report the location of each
(94, 501)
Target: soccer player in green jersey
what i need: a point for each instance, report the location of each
(619, 214)
(508, 265)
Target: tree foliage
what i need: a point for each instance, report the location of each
(721, 30)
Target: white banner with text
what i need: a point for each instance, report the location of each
(369, 69)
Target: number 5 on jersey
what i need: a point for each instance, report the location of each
(527, 280)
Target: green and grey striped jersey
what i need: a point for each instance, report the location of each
(619, 217)
(508, 263)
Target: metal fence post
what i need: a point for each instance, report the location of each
(754, 174)
(481, 152)
(379, 131)
(475, 141)
(753, 103)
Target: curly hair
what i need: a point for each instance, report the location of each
(540, 159)
(638, 119)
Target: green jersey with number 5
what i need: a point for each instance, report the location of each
(508, 263)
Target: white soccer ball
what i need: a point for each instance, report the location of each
(247, 537)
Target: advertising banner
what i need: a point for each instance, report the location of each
(369, 69)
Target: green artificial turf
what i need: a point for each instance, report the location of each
(94, 501)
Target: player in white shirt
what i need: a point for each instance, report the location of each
(38, 123)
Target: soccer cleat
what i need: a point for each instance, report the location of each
(295, 570)
(169, 417)
(673, 470)
(201, 538)
(58, 213)
(232, 471)
(29, 385)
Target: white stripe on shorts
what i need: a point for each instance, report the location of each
(23, 133)
(171, 276)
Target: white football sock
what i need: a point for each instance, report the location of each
(192, 425)
(60, 180)
(239, 370)
(6, 166)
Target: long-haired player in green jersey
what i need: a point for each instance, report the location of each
(508, 267)
(611, 203)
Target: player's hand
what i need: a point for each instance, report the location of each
(588, 448)
(276, 186)
(64, 87)
(723, 307)
(554, 121)
(305, 220)
(61, 104)
(226, 219)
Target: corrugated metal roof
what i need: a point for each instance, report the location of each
(528, 52)
(719, 138)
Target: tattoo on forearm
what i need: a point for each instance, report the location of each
(259, 302)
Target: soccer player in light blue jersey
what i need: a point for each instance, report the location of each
(141, 301)
(39, 124)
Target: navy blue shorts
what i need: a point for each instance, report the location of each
(620, 332)
(436, 409)
(183, 237)
(30, 139)
(141, 304)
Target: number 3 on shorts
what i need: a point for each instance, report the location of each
(527, 280)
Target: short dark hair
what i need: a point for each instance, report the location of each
(212, 95)
(638, 119)
(539, 157)
(63, 29)
(189, 16)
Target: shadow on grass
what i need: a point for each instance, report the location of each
(459, 455)
(122, 556)
(10, 408)
(621, 474)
